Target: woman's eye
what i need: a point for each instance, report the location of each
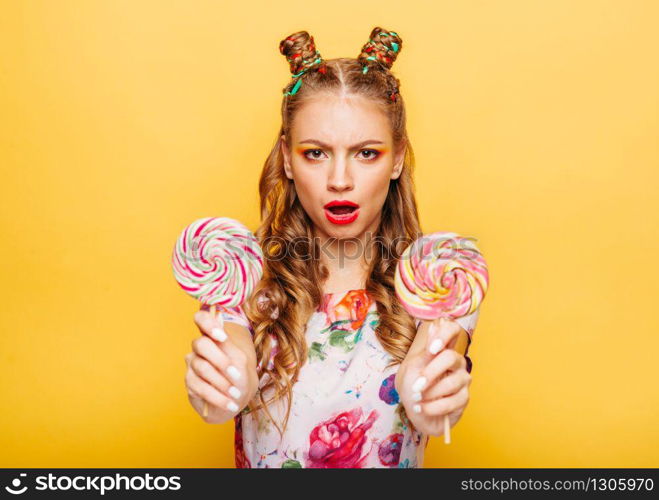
(371, 154)
(313, 153)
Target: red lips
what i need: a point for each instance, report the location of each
(341, 211)
(341, 203)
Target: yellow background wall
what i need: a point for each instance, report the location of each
(535, 128)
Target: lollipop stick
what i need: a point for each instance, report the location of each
(447, 430)
(205, 412)
(460, 346)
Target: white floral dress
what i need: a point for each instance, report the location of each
(345, 409)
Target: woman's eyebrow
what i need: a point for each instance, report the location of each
(354, 146)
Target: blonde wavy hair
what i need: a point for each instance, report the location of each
(291, 288)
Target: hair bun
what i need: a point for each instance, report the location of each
(382, 48)
(300, 51)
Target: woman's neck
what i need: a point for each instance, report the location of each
(347, 262)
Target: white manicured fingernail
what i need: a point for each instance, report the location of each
(232, 406)
(218, 334)
(417, 408)
(416, 396)
(233, 372)
(235, 392)
(436, 346)
(419, 384)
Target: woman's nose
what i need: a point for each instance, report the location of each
(339, 178)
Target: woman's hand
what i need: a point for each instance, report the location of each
(432, 380)
(221, 369)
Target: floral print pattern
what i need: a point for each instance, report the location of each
(339, 441)
(345, 410)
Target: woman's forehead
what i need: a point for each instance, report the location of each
(340, 118)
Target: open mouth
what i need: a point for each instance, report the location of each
(342, 210)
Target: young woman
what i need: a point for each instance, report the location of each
(322, 367)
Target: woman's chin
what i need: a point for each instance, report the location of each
(340, 231)
(343, 231)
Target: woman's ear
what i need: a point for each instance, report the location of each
(287, 157)
(398, 163)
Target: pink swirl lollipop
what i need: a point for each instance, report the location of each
(441, 275)
(218, 261)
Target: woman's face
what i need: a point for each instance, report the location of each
(342, 154)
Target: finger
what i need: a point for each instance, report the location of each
(198, 387)
(210, 325)
(233, 352)
(448, 359)
(445, 405)
(206, 348)
(214, 328)
(441, 333)
(203, 369)
(448, 385)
